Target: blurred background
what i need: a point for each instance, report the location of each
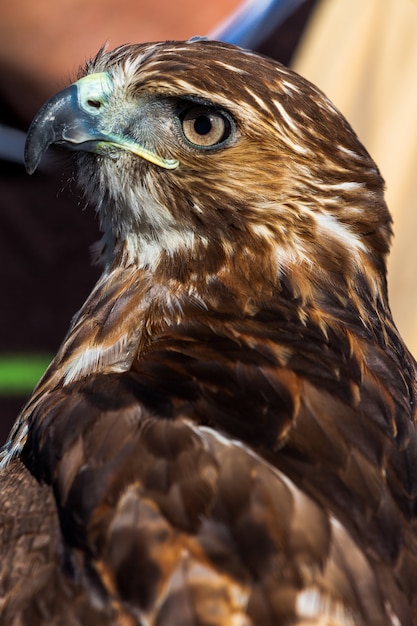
(362, 53)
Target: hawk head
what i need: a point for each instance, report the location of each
(195, 162)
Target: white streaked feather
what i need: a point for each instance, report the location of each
(94, 360)
(313, 605)
(329, 225)
(231, 68)
(286, 116)
(148, 251)
(289, 88)
(14, 444)
(260, 102)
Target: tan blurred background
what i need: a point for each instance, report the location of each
(363, 55)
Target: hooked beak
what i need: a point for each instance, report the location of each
(73, 118)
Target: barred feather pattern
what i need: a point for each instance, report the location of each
(227, 433)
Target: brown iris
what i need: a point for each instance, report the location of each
(205, 127)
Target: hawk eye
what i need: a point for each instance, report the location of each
(204, 126)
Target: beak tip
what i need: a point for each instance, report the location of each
(48, 126)
(31, 158)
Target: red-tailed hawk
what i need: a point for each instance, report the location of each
(227, 434)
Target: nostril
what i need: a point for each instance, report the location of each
(95, 104)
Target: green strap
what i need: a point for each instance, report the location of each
(20, 373)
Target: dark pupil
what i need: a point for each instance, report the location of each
(202, 125)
